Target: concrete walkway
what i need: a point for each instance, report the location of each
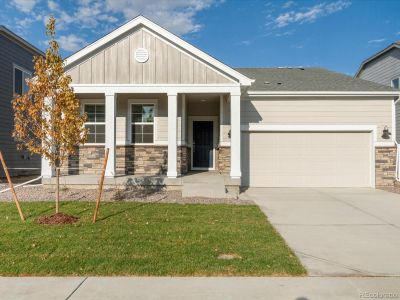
(280, 288)
(336, 232)
(204, 184)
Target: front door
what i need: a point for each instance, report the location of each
(203, 148)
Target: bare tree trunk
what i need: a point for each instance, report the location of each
(58, 189)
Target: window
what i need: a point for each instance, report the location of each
(20, 76)
(396, 83)
(95, 123)
(142, 123)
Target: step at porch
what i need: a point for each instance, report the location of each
(204, 184)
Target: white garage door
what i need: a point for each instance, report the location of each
(306, 159)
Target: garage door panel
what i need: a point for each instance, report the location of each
(306, 159)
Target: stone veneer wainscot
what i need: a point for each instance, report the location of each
(385, 166)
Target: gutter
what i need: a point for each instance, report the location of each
(321, 93)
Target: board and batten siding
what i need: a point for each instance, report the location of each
(167, 64)
(365, 111)
(383, 68)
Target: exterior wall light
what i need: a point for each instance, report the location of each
(385, 133)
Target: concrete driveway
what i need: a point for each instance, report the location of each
(336, 231)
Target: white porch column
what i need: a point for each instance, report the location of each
(183, 120)
(111, 103)
(172, 143)
(235, 136)
(47, 170)
(221, 119)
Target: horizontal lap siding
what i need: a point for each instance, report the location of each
(166, 64)
(383, 69)
(11, 53)
(324, 111)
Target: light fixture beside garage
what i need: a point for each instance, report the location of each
(141, 55)
(385, 133)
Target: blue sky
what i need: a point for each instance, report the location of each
(336, 34)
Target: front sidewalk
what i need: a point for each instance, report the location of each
(270, 288)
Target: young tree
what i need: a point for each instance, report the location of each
(47, 118)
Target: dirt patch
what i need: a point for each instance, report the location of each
(57, 219)
(229, 256)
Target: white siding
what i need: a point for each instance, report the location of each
(364, 111)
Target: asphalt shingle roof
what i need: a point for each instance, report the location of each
(306, 79)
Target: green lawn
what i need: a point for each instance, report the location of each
(143, 239)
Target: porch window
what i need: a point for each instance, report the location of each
(95, 123)
(142, 123)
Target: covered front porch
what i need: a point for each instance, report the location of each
(159, 136)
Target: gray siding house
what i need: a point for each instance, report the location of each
(16, 64)
(384, 68)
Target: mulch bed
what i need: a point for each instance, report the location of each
(57, 219)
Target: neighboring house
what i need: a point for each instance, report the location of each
(163, 107)
(16, 65)
(384, 68)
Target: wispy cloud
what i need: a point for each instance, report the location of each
(244, 43)
(377, 41)
(178, 16)
(71, 42)
(308, 15)
(25, 6)
(288, 4)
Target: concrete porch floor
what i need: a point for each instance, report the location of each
(203, 184)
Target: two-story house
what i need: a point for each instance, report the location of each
(16, 64)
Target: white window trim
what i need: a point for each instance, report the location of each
(213, 119)
(394, 78)
(23, 70)
(85, 102)
(129, 118)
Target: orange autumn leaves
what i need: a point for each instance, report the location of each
(47, 118)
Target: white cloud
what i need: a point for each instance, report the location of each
(244, 43)
(53, 6)
(25, 6)
(175, 15)
(310, 14)
(288, 4)
(24, 23)
(377, 41)
(71, 42)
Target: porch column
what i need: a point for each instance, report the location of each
(47, 170)
(221, 119)
(110, 100)
(235, 136)
(183, 120)
(172, 143)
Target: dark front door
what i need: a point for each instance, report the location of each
(203, 144)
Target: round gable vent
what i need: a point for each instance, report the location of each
(141, 55)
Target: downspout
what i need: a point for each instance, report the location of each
(396, 100)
